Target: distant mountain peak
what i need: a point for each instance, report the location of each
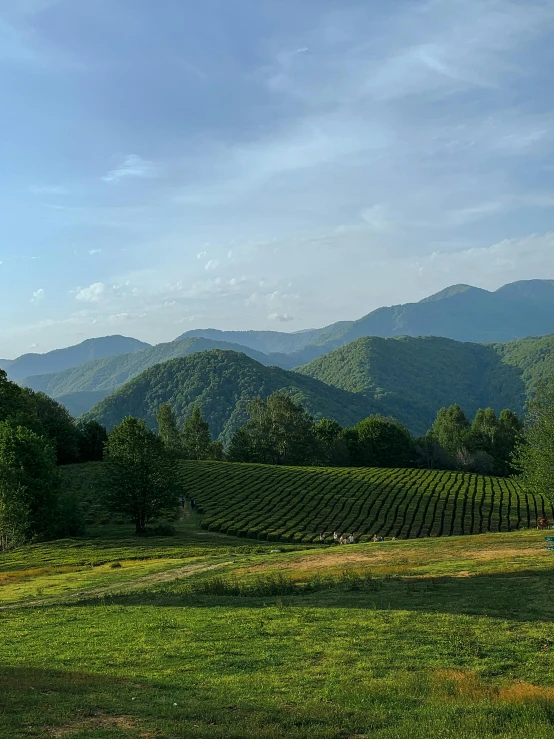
(449, 292)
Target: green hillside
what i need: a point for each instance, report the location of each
(84, 386)
(222, 383)
(297, 503)
(413, 377)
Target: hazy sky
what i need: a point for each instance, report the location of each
(171, 164)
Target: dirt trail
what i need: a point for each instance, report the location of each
(118, 587)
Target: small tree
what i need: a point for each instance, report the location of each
(534, 455)
(195, 436)
(167, 429)
(29, 486)
(140, 478)
(54, 421)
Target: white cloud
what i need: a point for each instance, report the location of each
(211, 265)
(280, 317)
(38, 296)
(202, 255)
(132, 166)
(94, 251)
(92, 294)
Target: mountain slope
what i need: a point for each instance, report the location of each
(222, 383)
(81, 387)
(460, 312)
(414, 377)
(60, 359)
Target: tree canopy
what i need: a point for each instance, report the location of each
(139, 474)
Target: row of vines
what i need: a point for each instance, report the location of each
(297, 503)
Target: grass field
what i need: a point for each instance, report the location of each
(204, 635)
(295, 503)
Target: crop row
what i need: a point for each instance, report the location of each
(296, 503)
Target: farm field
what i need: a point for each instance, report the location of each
(443, 637)
(294, 504)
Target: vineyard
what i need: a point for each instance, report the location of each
(296, 503)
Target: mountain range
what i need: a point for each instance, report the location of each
(60, 359)
(378, 357)
(408, 378)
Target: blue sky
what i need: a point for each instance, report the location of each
(265, 164)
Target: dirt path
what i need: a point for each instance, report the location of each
(118, 587)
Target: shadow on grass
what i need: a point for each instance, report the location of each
(521, 596)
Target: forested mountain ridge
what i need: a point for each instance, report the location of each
(81, 387)
(414, 377)
(28, 365)
(222, 383)
(460, 312)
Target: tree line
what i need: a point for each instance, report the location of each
(281, 432)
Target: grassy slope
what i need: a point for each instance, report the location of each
(414, 639)
(222, 383)
(413, 377)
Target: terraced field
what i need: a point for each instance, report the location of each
(296, 503)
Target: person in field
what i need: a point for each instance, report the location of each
(335, 536)
(351, 539)
(322, 537)
(183, 501)
(375, 538)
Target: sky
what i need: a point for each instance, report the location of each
(265, 164)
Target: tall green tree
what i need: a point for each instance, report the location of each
(278, 432)
(29, 486)
(332, 447)
(139, 474)
(54, 421)
(534, 456)
(451, 429)
(168, 430)
(195, 436)
(382, 442)
(92, 440)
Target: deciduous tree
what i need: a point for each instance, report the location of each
(140, 476)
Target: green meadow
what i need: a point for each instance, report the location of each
(206, 635)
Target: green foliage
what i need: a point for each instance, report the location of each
(332, 447)
(139, 474)
(534, 457)
(412, 378)
(195, 436)
(29, 486)
(167, 429)
(54, 421)
(222, 384)
(451, 430)
(93, 438)
(295, 504)
(278, 431)
(380, 442)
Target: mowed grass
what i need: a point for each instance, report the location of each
(296, 503)
(442, 637)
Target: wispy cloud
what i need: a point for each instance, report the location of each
(131, 166)
(38, 295)
(92, 294)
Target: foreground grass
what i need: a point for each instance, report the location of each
(441, 638)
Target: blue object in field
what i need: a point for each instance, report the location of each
(549, 538)
(551, 548)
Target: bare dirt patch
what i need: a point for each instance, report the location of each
(102, 722)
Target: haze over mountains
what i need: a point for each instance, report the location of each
(398, 376)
